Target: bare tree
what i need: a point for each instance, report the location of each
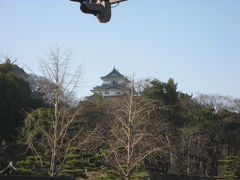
(133, 138)
(60, 128)
(236, 105)
(218, 102)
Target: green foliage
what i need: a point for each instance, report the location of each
(199, 134)
(6, 67)
(15, 100)
(231, 168)
(168, 98)
(32, 134)
(79, 162)
(203, 118)
(93, 112)
(140, 175)
(166, 92)
(33, 166)
(109, 174)
(35, 122)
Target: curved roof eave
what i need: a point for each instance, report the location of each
(113, 74)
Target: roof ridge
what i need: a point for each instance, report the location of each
(114, 74)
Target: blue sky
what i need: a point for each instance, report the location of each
(196, 42)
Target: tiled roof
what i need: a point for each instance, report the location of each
(113, 74)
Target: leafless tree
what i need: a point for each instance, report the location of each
(236, 105)
(218, 102)
(62, 129)
(133, 138)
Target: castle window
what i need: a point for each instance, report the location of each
(114, 82)
(106, 92)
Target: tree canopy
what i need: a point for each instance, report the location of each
(154, 129)
(15, 99)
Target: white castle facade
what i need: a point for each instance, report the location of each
(114, 84)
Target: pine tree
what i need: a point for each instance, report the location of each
(231, 168)
(79, 162)
(33, 166)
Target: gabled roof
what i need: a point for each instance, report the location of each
(113, 74)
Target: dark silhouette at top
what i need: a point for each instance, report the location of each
(99, 8)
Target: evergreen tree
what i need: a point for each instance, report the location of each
(79, 162)
(231, 168)
(33, 166)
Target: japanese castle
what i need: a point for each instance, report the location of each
(114, 84)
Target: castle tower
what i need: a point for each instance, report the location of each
(114, 84)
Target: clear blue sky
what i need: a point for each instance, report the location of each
(196, 42)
